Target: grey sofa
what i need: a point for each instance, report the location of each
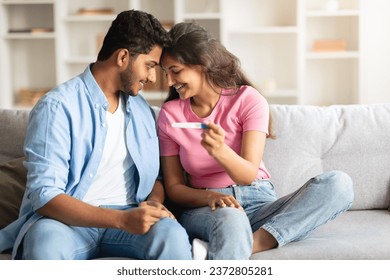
(310, 140)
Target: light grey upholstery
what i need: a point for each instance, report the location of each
(310, 140)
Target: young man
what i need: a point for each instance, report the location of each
(93, 159)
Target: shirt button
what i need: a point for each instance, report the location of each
(103, 124)
(90, 175)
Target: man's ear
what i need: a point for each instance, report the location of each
(123, 57)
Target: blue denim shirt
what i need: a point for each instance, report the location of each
(64, 144)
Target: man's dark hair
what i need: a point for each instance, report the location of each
(135, 31)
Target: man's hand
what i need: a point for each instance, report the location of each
(139, 220)
(158, 205)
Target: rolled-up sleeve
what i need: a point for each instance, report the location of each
(47, 150)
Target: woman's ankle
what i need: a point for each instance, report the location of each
(263, 240)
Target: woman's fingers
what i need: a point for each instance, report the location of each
(225, 201)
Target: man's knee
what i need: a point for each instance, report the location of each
(46, 240)
(169, 241)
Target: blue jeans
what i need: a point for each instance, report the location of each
(293, 217)
(50, 239)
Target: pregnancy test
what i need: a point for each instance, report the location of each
(196, 125)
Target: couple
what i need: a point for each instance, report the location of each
(94, 187)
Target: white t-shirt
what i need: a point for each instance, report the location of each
(114, 181)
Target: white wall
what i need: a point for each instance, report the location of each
(375, 54)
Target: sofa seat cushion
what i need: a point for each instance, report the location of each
(12, 186)
(362, 234)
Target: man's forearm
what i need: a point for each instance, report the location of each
(72, 211)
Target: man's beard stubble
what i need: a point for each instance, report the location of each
(127, 80)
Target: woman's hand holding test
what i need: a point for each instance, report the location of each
(213, 140)
(242, 167)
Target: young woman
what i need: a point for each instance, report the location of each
(217, 173)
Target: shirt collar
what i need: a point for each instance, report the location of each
(94, 91)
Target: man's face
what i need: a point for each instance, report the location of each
(140, 71)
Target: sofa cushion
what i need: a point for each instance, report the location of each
(13, 131)
(12, 186)
(351, 138)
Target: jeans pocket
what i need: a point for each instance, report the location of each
(264, 186)
(257, 194)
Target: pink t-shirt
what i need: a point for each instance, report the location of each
(235, 113)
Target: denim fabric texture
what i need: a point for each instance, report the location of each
(49, 239)
(289, 218)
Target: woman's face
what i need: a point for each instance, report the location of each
(188, 80)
